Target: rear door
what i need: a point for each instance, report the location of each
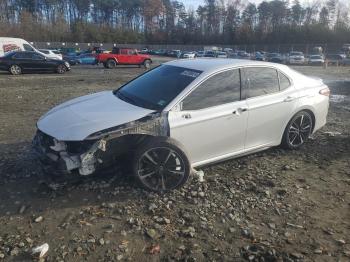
(24, 60)
(271, 100)
(212, 120)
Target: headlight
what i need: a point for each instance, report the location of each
(66, 64)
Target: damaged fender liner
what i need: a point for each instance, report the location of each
(87, 162)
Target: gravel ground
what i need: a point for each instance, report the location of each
(276, 205)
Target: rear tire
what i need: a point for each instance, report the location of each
(111, 63)
(147, 64)
(298, 130)
(61, 69)
(15, 70)
(160, 165)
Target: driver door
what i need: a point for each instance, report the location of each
(211, 121)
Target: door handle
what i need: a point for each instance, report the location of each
(289, 99)
(187, 116)
(240, 110)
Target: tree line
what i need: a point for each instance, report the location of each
(171, 22)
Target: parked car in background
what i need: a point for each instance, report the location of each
(316, 60)
(173, 53)
(183, 114)
(335, 59)
(296, 58)
(67, 51)
(274, 58)
(9, 44)
(51, 53)
(144, 51)
(209, 53)
(124, 56)
(71, 58)
(221, 54)
(259, 56)
(87, 59)
(243, 55)
(200, 54)
(18, 62)
(188, 55)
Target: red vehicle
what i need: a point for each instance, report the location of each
(124, 56)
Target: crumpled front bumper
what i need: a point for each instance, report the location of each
(54, 156)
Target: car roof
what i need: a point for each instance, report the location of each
(217, 64)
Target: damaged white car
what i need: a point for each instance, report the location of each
(182, 115)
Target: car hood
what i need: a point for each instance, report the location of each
(76, 119)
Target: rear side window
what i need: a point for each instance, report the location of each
(284, 81)
(219, 89)
(44, 51)
(262, 81)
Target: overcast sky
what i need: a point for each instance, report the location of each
(196, 3)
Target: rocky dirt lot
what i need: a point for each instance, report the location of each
(276, 205)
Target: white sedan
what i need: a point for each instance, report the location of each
(51, 53)
(182, 115)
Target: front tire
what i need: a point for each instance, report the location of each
(298, 130)
(61, 69)
(161, 165)
(15, 70)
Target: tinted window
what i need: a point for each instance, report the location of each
(158, 87)
(284, 81)
(22, 55)
(219, 89)
(44, 51)
(28, 47)
(262, 81)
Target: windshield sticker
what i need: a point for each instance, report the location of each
(190, 73)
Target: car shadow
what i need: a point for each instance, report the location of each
(26, 189)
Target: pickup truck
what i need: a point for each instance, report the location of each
(124, 56)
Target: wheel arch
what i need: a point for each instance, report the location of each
(112, 58)
(300, 109)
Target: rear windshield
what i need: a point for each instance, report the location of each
(158, 87)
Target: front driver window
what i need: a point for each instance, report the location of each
(219, 89)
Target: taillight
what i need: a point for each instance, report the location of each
(325, 91)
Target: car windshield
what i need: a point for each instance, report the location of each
(296, 53)
(158, 87)
(316, 57)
